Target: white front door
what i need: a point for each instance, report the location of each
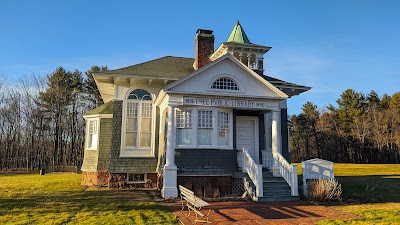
(247, 135)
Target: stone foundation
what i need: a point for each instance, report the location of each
(207, 186)
(118, 180)
(99, 178)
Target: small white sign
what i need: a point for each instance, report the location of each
(231, 103)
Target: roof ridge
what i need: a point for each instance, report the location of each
(108, 71)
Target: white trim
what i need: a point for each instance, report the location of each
(225, 75)
(275, 90)
(138, 152)
(87, 135)
(105, 116)
(256, 135)
(136, 182)
(214, 141)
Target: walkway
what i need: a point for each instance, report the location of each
(298, 212)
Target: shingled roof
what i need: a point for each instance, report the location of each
(106, 108)
(168, 66)
(290, 89)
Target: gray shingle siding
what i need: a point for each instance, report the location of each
(128, 165)
(105, 143)
(205, 161)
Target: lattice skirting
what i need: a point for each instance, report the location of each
(237, 186)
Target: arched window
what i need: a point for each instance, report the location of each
(138, 125)
(225, 83)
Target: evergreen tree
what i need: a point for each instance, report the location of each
(91, 89)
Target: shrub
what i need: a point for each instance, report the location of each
(323, 190)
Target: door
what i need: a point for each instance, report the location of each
(247, 135)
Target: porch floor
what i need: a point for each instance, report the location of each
(298, 212)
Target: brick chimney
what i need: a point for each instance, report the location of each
(204, 42)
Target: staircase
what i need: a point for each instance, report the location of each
(274, 188)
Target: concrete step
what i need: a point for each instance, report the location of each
(273, 179)
(276, 198)
(277, 188)
(274, 193)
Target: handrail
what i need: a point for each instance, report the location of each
(287, 171)
(254, 171)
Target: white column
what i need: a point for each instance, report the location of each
(275, 141)
(248, 60)
(169, 189)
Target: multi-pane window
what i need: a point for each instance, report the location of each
(225, 83)
(204, 127)
(184, 127)
(223, 128)
(139, 110)
(136, 178)
(93, 133)
(145, 131)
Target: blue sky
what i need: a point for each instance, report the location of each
(328, 45)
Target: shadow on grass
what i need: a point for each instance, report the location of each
(102, 200)
(370, 189)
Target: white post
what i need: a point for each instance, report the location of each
(260, 186)
(303, 165)
(169, 189)
(275, 142)
(295, 184)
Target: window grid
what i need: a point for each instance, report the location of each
(132, 109)
(93, 127)
(225, 83)
(139, 110)
(223, 120)
(139, 94)
(135, 177)
(146, 110)
(184, 118)
(204, 119)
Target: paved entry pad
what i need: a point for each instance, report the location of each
(298, 212)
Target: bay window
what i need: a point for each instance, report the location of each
(203, 128)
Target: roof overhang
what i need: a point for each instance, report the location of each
(106, 82)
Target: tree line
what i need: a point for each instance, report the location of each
(361, 129)
(41, 123)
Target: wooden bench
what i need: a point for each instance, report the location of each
(194, 204)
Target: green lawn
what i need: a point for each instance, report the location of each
(371, 191)
(60, 199)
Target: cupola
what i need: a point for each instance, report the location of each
(239, 45)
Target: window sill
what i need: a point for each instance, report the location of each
(93, 148)
(136, 153)
(136, 182)
(203, 147)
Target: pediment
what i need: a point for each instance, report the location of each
(225, 69)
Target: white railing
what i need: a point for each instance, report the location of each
(267, 159)
(315, 169)
(287, 171)
(254, 171)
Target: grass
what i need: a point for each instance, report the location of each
(371, 191)
(60, 199)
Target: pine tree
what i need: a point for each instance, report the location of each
(91, 88)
